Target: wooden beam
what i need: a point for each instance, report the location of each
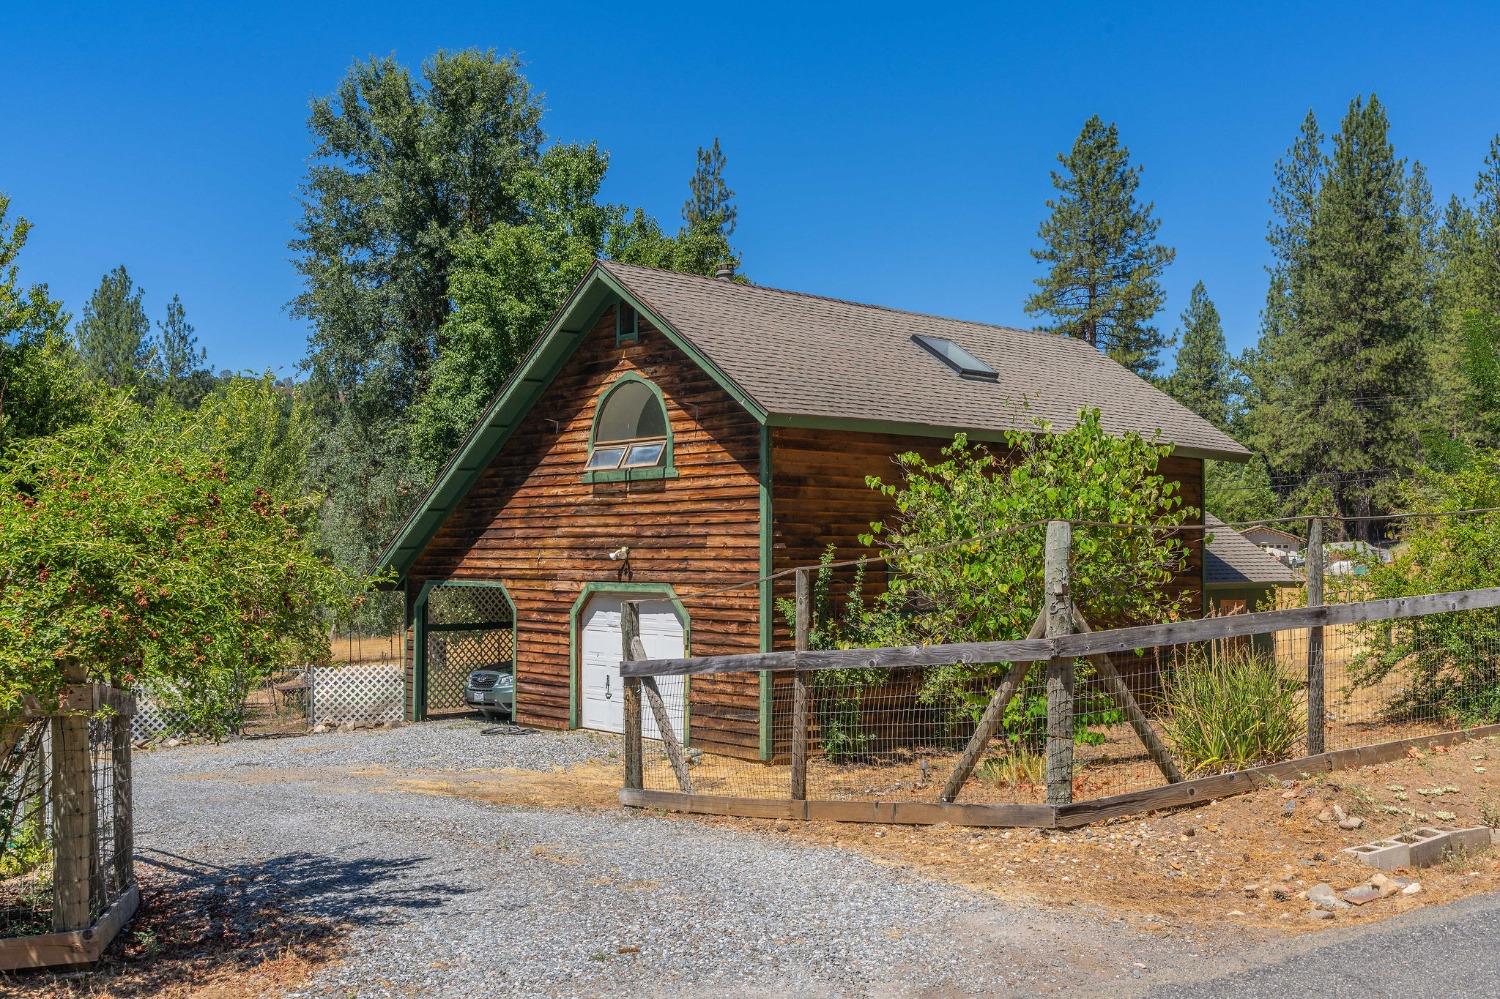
(799, 686)
(1316, 712)
(1144, 731)
(900, 657)
(1236, 625)
(989, 722)
(1076, 646)
(630, 630)
(669, 741)
(51, 950)
(1059, 614)
(1201, 789)
(920, 813)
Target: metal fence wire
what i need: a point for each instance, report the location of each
(468, 628)
(1215, 706)
(65, 823)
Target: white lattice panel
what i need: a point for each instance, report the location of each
(153, 721)
(359, 692)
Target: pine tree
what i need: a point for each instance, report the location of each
(1485, 259)
(180, 365)
(709, 217)
(1347, 356)
(114, 334)
(1099, 244)
(1203, 381)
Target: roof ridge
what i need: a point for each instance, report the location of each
(838, 301)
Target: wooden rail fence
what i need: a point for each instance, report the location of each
(1060, 637)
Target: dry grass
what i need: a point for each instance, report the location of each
(193, 938)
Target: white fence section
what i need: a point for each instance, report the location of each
(152, 721)
(359, 692)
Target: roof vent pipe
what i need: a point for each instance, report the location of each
(725, 270)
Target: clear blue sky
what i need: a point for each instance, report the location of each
(895, 155)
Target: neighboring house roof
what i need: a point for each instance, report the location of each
(793, 359)
(824, 361)
(1234, 560)
(1272, 534)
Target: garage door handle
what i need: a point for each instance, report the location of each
(607, 694)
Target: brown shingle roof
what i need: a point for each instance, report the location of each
(1234, 560)
(809, 357)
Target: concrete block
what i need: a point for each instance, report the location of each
(1427, 846)
(1474, 839)
(1386, 854)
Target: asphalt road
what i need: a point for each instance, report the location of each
(1442, 951)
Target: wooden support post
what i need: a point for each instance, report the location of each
(1059, 609)
(1155, 748)
(73, 816)
(630, 630)
(989, 722)
(799, 687)
(124, 820)
(669, 741)
(1315, 679)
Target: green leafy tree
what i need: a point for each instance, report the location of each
(114, 335)
(1445, 662)
(1237, 492)
(1104, 262)
(1203, 380)
(180, 366)
(404, 168)
(42, 386)
(1485, 252)
(136, 549)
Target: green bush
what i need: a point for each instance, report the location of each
(1232, 710)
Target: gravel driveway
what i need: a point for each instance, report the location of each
(446, 896)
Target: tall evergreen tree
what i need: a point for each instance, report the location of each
(1203, 380)
(114, 335)
(709, 216)
(180, 366)
(1485, 252)
(1103, 260)
(1346, 355)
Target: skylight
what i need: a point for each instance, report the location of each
(960, 360)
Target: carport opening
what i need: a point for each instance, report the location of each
(468, 628)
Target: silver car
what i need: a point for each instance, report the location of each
(492, 690)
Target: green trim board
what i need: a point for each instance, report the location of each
(420, 628)
(591, 590)
(853, 425)
(666, 470)
(767, 603)
(596, 292)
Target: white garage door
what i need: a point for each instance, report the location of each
(603, 694)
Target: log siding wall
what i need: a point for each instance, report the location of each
(533, 524)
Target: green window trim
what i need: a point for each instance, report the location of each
(575, 667)
(627, 324)
(666, 469)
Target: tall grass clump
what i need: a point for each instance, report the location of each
(1232, 710)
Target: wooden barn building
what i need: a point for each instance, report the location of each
(672, 435)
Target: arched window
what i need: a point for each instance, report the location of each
(631, 435)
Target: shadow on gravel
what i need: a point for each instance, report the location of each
(246, 929)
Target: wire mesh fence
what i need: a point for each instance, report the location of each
(65, 823)
(1215, 705)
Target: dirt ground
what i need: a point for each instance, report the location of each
(1246, 858)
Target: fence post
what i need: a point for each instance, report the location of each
(73, 813)
(124, 820)
(799, 688)
(630, 629)
(1059, 610)
(1315, 679)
